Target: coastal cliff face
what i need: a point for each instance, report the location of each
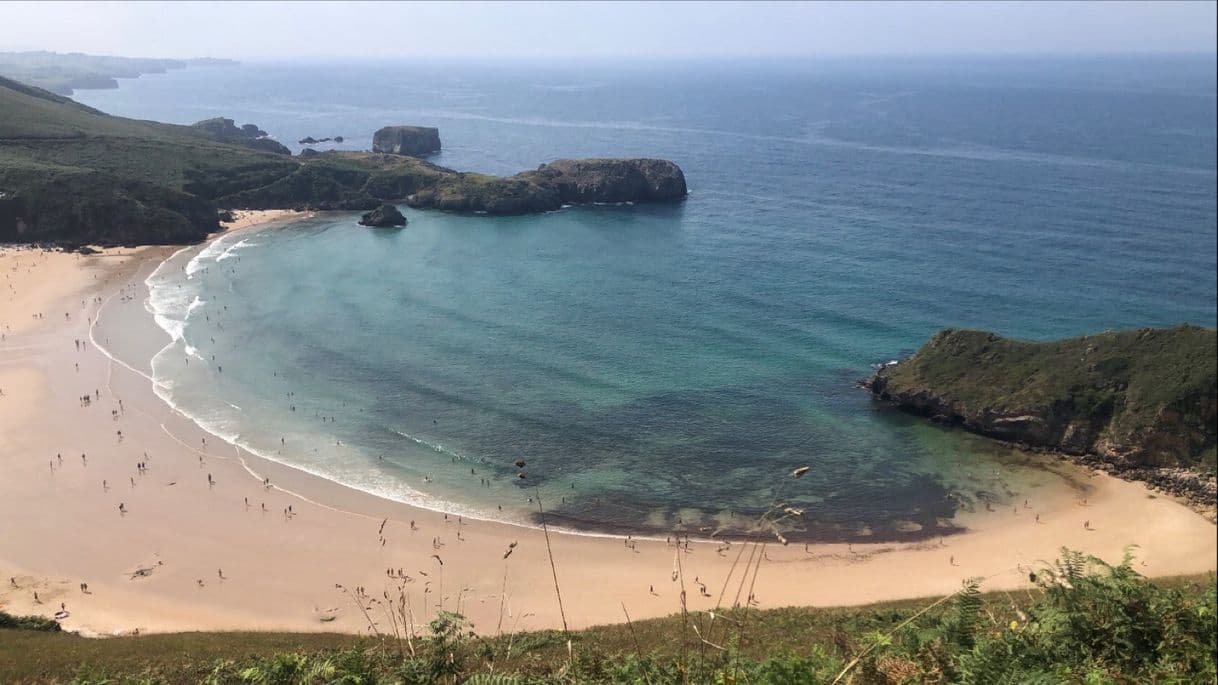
(581, 181)
(1145, 397)
(415, 141)
(83, 206)
(1144, 400)
(562, 182)
(226, 131)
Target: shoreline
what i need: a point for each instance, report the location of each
(926, 526)
(279, 570)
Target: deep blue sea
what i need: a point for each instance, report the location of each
(667, 366)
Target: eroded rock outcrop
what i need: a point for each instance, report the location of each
(414, 141)
(247, 135)
(385, 216)
(584, 181)
(550, 186)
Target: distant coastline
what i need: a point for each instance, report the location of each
(64, 73)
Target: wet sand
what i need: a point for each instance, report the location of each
(188, 554)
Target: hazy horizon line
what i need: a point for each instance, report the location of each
(662, 57)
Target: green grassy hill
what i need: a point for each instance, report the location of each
(72, 175)
(1143, 398)
(69, 173)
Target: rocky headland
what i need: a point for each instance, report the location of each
(550, 186)
(73, 176)
(61, 73)
(247, 135)
(1140, 404)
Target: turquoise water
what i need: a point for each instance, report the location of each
(665, 366)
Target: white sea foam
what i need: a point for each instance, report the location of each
(429, 445)
(195, 304)
(208, 254)
(229, 252)
(171, 298)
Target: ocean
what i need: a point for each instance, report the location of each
(665, 367)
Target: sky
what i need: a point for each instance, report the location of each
(640, 30)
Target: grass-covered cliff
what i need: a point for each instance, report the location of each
(73, 175)
(1142, 398)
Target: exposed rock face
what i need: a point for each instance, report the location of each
(486, 194)
(385, 216)
(248, 135)
(1141, 403)
(550, 186)
(582, 181)
(415, 141)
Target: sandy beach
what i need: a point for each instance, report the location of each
(197, 540)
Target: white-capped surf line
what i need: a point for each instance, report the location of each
(158, 281)
(214, 248)
(244, 242)
(401, 493)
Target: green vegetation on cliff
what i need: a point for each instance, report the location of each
(73, 175)
(1086, 622)
(1143, 398)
